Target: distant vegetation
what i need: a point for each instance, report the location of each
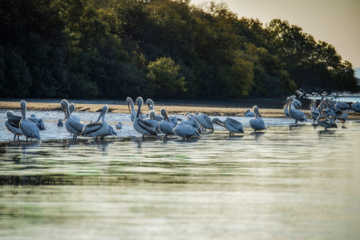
(167, 49)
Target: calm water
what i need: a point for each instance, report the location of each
(285, 183)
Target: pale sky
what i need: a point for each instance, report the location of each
(336, 22)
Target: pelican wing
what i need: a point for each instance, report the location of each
(76, 125)
(29, 129)
(14, 122)
(91, 128)
(147, 126)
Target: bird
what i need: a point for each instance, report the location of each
(97, 129)
(248, 113)
(296, 103)
(71, 125)
(72, 109)
(314, 111)
(118, 126)
(28, 128)
(60, 124)
(232, 125)
(151, 106)
(186, 131)
(132, 111)
(286, 107)
(325, 122)
(143, 126)
(295, 113)
(342, 105)
(257, 123)
(12, 124)
(38, 121)
(166, 126)
(204, 121)
(356, 107)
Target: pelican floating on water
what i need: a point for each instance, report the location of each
(28, 128)
(230, 124)
(97, 129)
(71, 125)
(257, 123)
(12, 124)
(143, 126)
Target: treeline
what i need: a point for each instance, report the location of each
(119, 48)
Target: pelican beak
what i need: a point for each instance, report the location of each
(129, 108)
(166, 116)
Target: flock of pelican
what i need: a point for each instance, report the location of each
(192, 125)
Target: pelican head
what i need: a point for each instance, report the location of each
(72, 108)
(256, 111)
(139, 101)
(150, 103)
(9, 114)
(129, 102)
(218, 122)
(65, 107)
(164, 114)
(23, 108)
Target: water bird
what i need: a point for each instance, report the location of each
(166, 126)
(132, 111)
(151, 106)
(72, 126)
(118, 126)
(314, 111)
(248, 113)
(72, 110)
(143, 126)
(232, 125)
(12, 124)
(295, 113)
(186, 131)
(97, 129)
(257, 123)
(204, 121)
(28, 128)
(356, 107)
(60, 124)
(38, 121)
(325, 122)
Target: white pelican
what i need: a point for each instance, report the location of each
(342, 105)
(191, 121)
(296, 103)
(314, 111)
(97, 129)
(118, 126)
(294, 113)
(257, 123)
(186, 131)
(356, 107)
(130, 104)
(72, 110)
(28, 128)
(60, 124)
(151, 106)
(249, 113)
(286, 107)
(204, 121)
(325, 122)
(71, 125)
(166, 126)
(12, 124)
(140, 125)
(38, 121)
(230, 124)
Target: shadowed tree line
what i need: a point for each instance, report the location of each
(116, 48)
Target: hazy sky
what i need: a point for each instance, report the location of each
(336, 22)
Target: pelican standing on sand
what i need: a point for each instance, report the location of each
(12, 124)
(230, 124)
(142, 126)
(71, 125)
(28, 128)
(97, 129)
(294, 113)
(257, 123)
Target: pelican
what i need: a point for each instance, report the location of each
(72, 126)
(60, 124)
(12, 124)
(204, 121)
(38, 121)
(151, 106)
(166, 126)
(285, 108)
(342, 105)
(314, 111)
(72, 109)
(118, 126)
(130, 104)
(97, 129)
(248, 113)
(294, 113)
(257, 123)
(191, 121)
(356, 107)
(296, 103)
(325, 122)
(28, 128)
(185, 131)
(140, 125)
(230, 124)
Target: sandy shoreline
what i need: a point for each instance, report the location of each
(171, 109)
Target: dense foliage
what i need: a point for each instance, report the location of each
(116, 48)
